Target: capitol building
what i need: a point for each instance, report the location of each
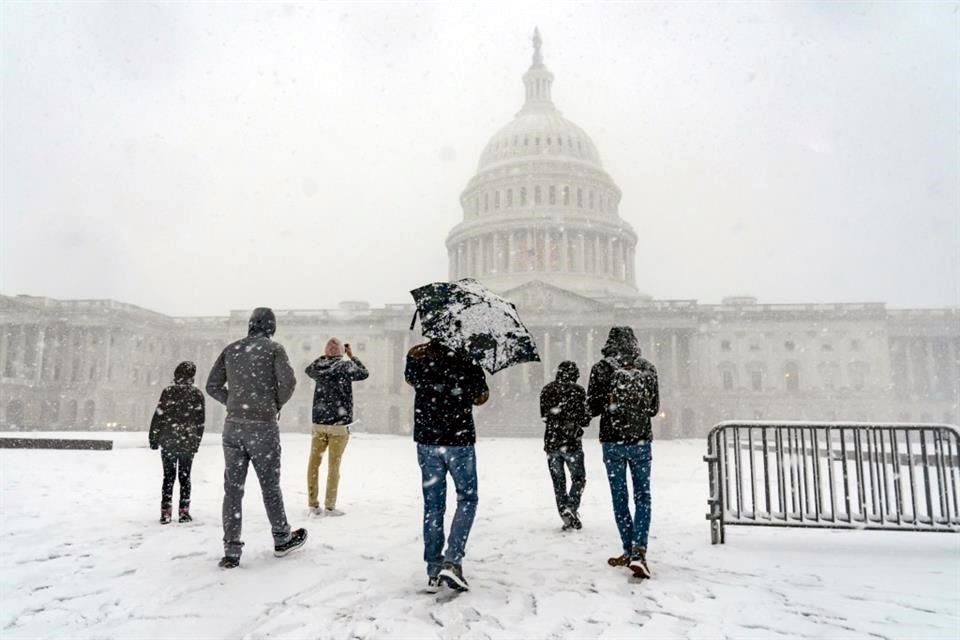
(541, 225)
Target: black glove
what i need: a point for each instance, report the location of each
(154, 446)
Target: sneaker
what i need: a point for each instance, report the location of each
(619, 561)
(315, 511)
(452, 576)
(575, 520)
(166, 516)
(228, 562)
(297, 539)
(185, 516)
(638, 564)
(334, 513)
(433, 585)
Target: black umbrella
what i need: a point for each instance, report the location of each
(464, 315)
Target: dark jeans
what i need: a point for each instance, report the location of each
(176, 466)
(435, 464)
(635, 457)
(573, 460)
(257, 443)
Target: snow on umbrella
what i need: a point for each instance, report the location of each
(465, 315)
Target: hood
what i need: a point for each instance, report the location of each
(326, 363)
(262, 323)
(621, 344)
(568, 372)
(334, 348)
(184, 373)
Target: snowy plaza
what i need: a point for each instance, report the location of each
(82, 556)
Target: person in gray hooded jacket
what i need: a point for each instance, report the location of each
(254, 379)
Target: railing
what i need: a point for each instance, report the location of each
(836, 475)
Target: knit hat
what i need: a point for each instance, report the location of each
(333, 349)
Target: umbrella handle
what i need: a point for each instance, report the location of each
(413, 321)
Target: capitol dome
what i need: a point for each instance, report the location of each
(541, 207)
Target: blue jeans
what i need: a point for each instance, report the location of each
(435, 464)
(617, 458)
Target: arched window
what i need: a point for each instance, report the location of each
(579, 197)
(476, 205)
(537, 197)
(600, 203)
(566, 196)
(486, 202)
(791, 375)
(727, 376)
(496, 199)
(590, 199)
(509, 197)
(523, 196)
(553, 195)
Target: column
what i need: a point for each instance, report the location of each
(3, 349)
(590, 357)
(545, 356)
(510, 249)
(497, 250)
(907, 348)
(451, 264)
(675, 370)
(567, 343)
(38, 354)
(564, 252)
(597, 255)
(106, 364)
(931, 364)
(581, 265)
(547, 251)
(531, 251)
(631, 265)
(469, 270)
(611, 262)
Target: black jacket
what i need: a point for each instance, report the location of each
(447, 385)
(253, 376)
(563, 408)
(620, 350)
(177, 424)
(333, 395)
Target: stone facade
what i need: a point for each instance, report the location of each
(541, 224)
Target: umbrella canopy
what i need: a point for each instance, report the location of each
(465, 315)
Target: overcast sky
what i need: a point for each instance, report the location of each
(196, 158)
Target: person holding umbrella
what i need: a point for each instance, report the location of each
(470, 329)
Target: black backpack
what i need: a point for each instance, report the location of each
(630, 394)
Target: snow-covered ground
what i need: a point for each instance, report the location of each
(82, 556)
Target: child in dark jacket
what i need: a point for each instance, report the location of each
(176, 429)
(563, 408)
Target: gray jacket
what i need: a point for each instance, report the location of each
(253, 377)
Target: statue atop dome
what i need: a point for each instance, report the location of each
(537, 42)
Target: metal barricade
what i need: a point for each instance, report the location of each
(834, 475)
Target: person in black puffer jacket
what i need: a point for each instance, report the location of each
(176, 429)
(563, 408)
(334, 372)
(624, 392)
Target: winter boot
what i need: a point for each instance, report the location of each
(619, 561)
(185, 515)
(433, 585)
(575, 520)
(166, 515)
(638, 564)
(228, 562)
(297, 539)
(568, 521)
(452, 575)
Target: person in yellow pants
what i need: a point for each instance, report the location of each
(334, 373)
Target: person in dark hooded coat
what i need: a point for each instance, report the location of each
(623, 390)
(254, 379)
(176, 429)
(563, 408)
